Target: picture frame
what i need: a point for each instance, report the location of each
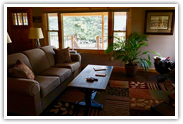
(37, 19)
(159, 22)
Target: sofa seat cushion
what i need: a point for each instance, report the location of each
(72, 65)
(47, 84)
(62, 73)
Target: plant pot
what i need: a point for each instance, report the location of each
(131, 69)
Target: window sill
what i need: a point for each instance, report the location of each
(88, 51)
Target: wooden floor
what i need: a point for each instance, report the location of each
(142, 76)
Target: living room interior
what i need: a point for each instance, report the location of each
(84, 32)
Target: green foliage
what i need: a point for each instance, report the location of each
(128, 50)
(85, 27)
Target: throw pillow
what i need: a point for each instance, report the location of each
(62, 55)
(20, 70)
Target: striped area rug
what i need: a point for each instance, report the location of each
(159, 86)
(83, 111)
(115, 108)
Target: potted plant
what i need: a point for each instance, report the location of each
(128, 52)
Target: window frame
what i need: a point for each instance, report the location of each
(90, 51)
(18, 25)
(119, 31)
(48, 30)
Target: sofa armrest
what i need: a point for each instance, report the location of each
(23, 86)
(23, 96)
(75, 57)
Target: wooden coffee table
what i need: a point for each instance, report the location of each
(90, 88)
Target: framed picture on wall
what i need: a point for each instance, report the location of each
(37, 19)
(159, 22)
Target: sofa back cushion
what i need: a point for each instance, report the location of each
(38, 60)
(62, 55)
(50, 54)
(12, 59)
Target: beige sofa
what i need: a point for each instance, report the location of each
(31, 97)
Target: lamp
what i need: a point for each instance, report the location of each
(36, 33)
(8, 38)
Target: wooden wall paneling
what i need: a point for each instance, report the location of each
(31, 41)
(19, 34)
(10, 48)
(27, 43)
(16, 40)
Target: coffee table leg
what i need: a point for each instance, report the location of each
(88, 95)
(89, 100)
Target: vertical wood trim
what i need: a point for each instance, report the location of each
(97, 42)
(22, 19)
(61, 30)
(17, 19)
(128, 29)
(29, 16)
(45, 29)
(102, 31)
(110, 27)
(72, 43)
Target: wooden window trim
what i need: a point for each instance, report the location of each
(88, 51)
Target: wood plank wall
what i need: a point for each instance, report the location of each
(19, 34)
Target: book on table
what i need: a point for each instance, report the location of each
(99, 68)
(100, 74)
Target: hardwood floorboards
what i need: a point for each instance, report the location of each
(142, 77)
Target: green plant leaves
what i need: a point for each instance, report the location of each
(128, 51)
(145, 63)
(156, 53)
(145, 52)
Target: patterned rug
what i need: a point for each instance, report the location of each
(121, 98)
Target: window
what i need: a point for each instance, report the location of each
(53, 29)
(120, 25)
(87, 31)
(20, 19)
